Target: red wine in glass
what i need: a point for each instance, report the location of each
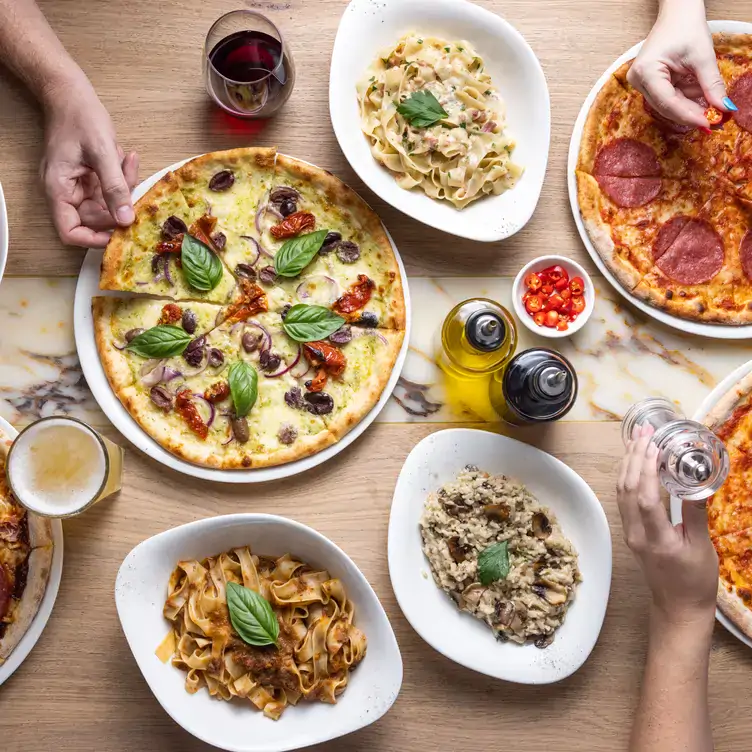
(249, 71)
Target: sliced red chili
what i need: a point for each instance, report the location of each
(552, 319)
(577, 285)
(533, 282)
(578, 304)
(534, 304)
(540, 318)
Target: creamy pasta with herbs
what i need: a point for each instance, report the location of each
(316, 646)
(434, 118)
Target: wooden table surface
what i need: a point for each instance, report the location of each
(80, 688)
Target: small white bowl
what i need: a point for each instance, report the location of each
(459, 636)
(574, 270)
(140, 592)
(367, 28)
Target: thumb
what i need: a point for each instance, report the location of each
(711, 83)
(695, 520)
(109, 169)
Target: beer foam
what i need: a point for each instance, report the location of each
(57, 467)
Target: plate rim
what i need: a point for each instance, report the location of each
(712, 331)
(712, 399)
(39, 622)
(250, 518)
(4, 232)
(87, 285)
(399, 593)
(393, 198)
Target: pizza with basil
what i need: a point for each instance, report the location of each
(25, 562)
(274, 316)
(667, 207)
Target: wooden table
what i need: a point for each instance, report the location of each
(80, 688)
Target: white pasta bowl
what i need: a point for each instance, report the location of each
(367, 28)
(140, 592)
(459, 636)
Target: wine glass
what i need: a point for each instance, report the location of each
(248, 69)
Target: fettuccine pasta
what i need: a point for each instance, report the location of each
(318, 644)
(462, 157)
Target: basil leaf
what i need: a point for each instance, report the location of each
(308, 323)
(201, 266)
(252, 616)
(493, 563)
(243, 380)
(162, 341)
(422, 109)
(297, 253)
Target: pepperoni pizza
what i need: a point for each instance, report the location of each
(669, 208)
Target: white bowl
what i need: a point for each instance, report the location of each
(140, 592)
(574, 270)
(3, 233)
(459, 636)
(367, 27)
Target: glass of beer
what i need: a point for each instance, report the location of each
(59, 467)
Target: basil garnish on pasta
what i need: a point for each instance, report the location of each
(201, 266)
(422, 109)
(297, 253)
(252, 616)
(163, 341)
(308, 323)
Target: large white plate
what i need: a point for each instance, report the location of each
(434, 616)
(367, 27)
(676, 505)
(3, 233)
(692, 327)
(39, 622)
(140, 592)
(88, 287)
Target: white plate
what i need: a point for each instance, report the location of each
(88, 287)
(3, 233)
(676, 505)
(459, 636)
(692, 327)
(367, 27)
(39, 622)
(140, 592)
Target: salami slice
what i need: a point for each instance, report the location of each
(629, 192)
(627, 158)
(741, 95)
(695, 256)
(668, 234)
(745, 254)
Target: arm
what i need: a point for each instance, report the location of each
(681, 569)
(86, 177)
(677, 66)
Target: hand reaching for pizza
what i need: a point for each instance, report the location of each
(86, 176)
(677, 65)
(679, 561)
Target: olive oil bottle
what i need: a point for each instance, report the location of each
(478, 338)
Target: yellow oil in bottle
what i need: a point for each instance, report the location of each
(478, 338)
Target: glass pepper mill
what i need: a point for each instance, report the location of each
(692, 461)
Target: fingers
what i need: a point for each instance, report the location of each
(130, 170)
(695, 520)
(709, 78)
(654, 515)
(70, 229)
(654, 81)
(106, 162)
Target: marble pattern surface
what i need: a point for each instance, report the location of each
(620, 356)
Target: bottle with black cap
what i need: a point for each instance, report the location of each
(478, 338)
(537, 386)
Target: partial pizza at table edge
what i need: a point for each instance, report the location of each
(26, 548)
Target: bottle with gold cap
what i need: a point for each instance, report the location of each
(537, 386)
(478, 338)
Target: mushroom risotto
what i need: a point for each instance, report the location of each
(500, 555)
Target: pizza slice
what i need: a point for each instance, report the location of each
(148, 256)
(735, 577)
(354, 269)
(26, 548)
(117, 323)
(228, 186)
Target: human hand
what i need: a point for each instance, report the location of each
(679, 561)
(86, 176)
(677, 65)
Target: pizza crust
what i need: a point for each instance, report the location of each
(734, 608)
(728, 403)
(114, 361)
(40, 564)
(611, 92)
